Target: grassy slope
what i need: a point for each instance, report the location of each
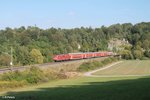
(135, 67)
(85, 88)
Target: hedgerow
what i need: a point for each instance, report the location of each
(95, 64)
(31, 76)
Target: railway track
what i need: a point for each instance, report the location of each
(45, 65)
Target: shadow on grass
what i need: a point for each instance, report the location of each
(136, 89)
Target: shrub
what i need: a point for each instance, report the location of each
(32, 75)
(105, 61)
(98, 64)
(145, 58)
(11, 84)
(9, 76)
(85, 66)
(51, 74)
(95, 64)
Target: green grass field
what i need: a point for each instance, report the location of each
(135, 67)
(87, 88)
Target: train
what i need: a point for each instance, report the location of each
(77, 56)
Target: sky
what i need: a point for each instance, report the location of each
(72, 13)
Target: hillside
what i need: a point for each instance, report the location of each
(34, 45)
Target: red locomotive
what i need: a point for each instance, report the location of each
(73, 56)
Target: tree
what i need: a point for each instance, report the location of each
(23, 55)
(146, 44)
(5, 59)
(137, 54)
(57, 41)
(147, 53)
(126, 54)
(36, 56)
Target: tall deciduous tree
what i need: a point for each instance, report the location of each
(36, 56)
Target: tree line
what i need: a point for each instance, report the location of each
(35, 45)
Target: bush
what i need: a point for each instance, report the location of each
(31, 76)
(145, 58)
(9, 76)
(106, 61)
(11, 84)
(85, 66)
(147, 53)
(34, 75)
(51, 74)
(95, 64)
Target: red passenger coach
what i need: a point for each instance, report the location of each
(89, 55)
(76, 56)
(73, 56)
(101, 54)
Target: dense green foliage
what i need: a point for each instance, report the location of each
(52, 41)
(95, 64)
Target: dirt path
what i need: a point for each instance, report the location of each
(89, 74)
